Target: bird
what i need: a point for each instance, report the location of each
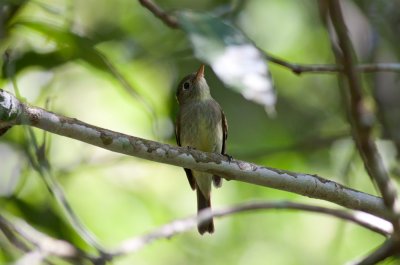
(200, 124)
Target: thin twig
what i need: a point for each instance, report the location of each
(387, 249)
(179, 226)
(169, 20)
(305, 184)
(312, 143)
(8, 231)
(331, 68)
(172, 22)
(43, 242)
(40, 163)
(360, 118)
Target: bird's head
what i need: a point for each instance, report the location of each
(193, 87)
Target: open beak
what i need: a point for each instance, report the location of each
(200, 73)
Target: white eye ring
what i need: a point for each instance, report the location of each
(186, 85)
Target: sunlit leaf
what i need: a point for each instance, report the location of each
(232, 56)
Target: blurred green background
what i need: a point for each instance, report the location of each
(55, 52)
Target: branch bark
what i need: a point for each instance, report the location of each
(14, 112)
(360, 117)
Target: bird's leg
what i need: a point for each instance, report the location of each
(229, 157)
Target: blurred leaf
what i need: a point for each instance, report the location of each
(8, 9)
(71, 46)
(233, 57)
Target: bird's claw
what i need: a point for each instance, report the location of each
(229, 157)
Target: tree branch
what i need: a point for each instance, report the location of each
(169, 20)
(47, 245)
(41, 246)
(172, 22)
(331, 68)
(387, 249)
(360, 117)
(304, 184)
(179, 226)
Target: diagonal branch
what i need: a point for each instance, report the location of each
(179, 226)
(17, 113)
(169, 20)
(360, 117)
(331, 68)
(44, 243)
(387, 249)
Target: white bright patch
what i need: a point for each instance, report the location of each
(376, 221)
(244, 66)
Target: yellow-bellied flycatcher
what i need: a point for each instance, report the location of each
(201, 124)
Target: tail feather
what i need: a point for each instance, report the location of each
(217, 181)
(204, 203)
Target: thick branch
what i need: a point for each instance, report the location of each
(360, 118)
(305, 184)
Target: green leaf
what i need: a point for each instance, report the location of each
(232, 56)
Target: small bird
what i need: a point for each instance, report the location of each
(200, 124)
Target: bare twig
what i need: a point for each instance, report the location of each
(179, 226)
(58, 194)
(46, 244)
(387, 249)
(9, 233)
(360, 118)
(169, 20)
(39, 162)
(305, 184)
(331, 68)
(296, 68)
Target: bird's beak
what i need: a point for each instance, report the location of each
(199, 74)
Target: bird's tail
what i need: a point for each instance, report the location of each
(203, 203)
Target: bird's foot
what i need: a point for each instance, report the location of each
(229, 157)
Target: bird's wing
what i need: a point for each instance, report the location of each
(217, 179)
(188, 172)
(224, 132)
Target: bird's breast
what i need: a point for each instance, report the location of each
(201, 127)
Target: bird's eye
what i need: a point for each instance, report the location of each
(186, 85)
